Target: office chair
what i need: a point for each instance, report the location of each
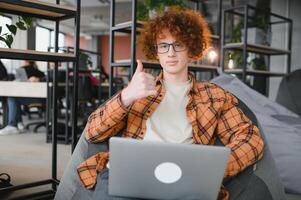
(40, 109)
(289, 92)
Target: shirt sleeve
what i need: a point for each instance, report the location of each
(238, 133)
(106, 121)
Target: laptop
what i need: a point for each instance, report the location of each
(21, 74)
(157, 170)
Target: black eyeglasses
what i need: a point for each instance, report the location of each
(164, 47)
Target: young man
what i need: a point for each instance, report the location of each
(173, 107)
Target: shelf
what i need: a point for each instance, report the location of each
(125, 27)
(37, 9)
(257, 48)
(215, 37)
(121, 26)
(255, 72)
(19, 54)
(156, 65)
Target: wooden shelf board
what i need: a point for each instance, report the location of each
(37, 8)
(255, 72)
(155, 64)
(21, 54)
(126, 27)
(257, 48)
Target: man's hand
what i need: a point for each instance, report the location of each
(33, 79)
(142, 85)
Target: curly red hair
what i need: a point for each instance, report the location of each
(187, 26)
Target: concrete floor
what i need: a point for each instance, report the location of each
(27, 158)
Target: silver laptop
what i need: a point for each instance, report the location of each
(156, 170)
(21, 74)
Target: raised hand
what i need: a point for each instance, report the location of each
(142, 85)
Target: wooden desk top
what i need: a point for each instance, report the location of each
(23, 89)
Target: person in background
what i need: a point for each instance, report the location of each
(3, 77)
(15, 124)
(3, 72)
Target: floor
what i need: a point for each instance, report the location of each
(27, 158)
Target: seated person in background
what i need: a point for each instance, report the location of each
(15, 124)
(3, 77)
(3, 72)
(104, 77)
(174, 106)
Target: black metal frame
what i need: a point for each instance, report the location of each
(23, 55)
(245, 15)
(68, 49)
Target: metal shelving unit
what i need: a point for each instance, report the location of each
(245, 13)
(54, 12)
(65, 137)
(133, 27)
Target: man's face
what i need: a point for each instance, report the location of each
(173, 58)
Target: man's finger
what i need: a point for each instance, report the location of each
(139, 66)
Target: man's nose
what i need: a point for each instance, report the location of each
(171, 51)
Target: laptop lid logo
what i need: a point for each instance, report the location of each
(168, 172)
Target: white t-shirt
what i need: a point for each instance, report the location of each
(169, 122)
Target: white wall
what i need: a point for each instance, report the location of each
(295, 14)
(290, 9)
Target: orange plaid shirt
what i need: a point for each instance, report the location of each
(211, 110)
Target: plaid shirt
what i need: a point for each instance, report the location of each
(211, 110)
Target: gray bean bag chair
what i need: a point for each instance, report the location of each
(266, 181)
(281, 128)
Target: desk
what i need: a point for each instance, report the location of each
(21, 89)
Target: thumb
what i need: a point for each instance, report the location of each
(139, 66)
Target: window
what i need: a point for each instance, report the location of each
(44, 40)
(3, 21)
(61, 39)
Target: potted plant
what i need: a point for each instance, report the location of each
(23, 23)
(258, 63)
(148, 8)
(258, 31)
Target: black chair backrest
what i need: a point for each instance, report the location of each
(85, 91)
(289, 92)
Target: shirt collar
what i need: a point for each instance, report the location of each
(192, 89)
